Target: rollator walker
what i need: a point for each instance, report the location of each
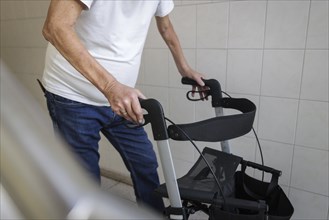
(214, 185)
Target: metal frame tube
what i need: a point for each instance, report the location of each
(224, 144)
(170, 176)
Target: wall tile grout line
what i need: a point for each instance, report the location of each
(234, 93)
(227, 42)
(261, 76)
(298, 106)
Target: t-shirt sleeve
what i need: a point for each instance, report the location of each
(164, 8)
(87, 3)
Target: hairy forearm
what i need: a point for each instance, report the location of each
(69, 45)
(59, 31)
(169, 36)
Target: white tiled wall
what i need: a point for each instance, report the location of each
(274, 52)
(22, 45)
(244, 66)
(240, 28)
(282, 73)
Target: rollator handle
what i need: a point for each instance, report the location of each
(215, 90)
(156, 117)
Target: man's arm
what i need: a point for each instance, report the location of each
(59, 31)
(169, 36)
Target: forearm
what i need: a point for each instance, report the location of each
(69, 45)
(61, 33)
(169, 36)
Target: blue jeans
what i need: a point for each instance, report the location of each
(80, 126)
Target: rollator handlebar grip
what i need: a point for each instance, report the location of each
(215, 90)
(156, 117)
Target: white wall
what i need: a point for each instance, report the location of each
(272, 52)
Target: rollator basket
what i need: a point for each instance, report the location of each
(246, 198)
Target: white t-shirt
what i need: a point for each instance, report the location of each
(114, 32)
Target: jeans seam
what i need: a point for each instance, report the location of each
(52, 110)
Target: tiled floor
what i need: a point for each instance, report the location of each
(127, 192)
(117, 188)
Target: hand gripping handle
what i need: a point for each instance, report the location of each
(215, 90)
(156, 117)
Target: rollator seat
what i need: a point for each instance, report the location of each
(199, 184)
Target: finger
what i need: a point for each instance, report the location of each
(140, 94)
(118, 109)
(206, 92)
(137, 111)
(128, 114)
(200, 89)
(193, 90)
(200, 82)
(126, 111)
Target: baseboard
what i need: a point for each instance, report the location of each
(116, 176)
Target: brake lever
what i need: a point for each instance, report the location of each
(191, 98)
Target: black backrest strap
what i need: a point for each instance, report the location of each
(219, 128)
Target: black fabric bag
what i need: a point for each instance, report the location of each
(218, 212)
(250, 189)
(279, 206)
